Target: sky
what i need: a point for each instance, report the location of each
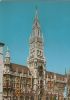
(16, 20)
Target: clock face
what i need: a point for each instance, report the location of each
(32, 53)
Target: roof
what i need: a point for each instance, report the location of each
(48, 72)
(25, 69)
(19, 68)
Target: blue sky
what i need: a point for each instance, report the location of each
(16, 19)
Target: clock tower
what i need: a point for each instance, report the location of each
(36, 59)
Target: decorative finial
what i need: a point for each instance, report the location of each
(7, 52)
(36, 14)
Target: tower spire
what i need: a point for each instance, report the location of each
(7, 53)
(36, 40)
(36, 21)
(36, 31)
(7, 56)
(36, 14)
(65, 72)
(36, 60)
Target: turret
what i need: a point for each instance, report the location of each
(7, 62)
(7, 56)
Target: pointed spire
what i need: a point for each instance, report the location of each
(36, 14)
(7, 53)
(36, 31)
(7, 56)
(36, 21)
(69, 72)
(65, 72)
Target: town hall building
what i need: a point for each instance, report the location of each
(34, 81)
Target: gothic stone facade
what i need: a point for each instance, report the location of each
(32, 82)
